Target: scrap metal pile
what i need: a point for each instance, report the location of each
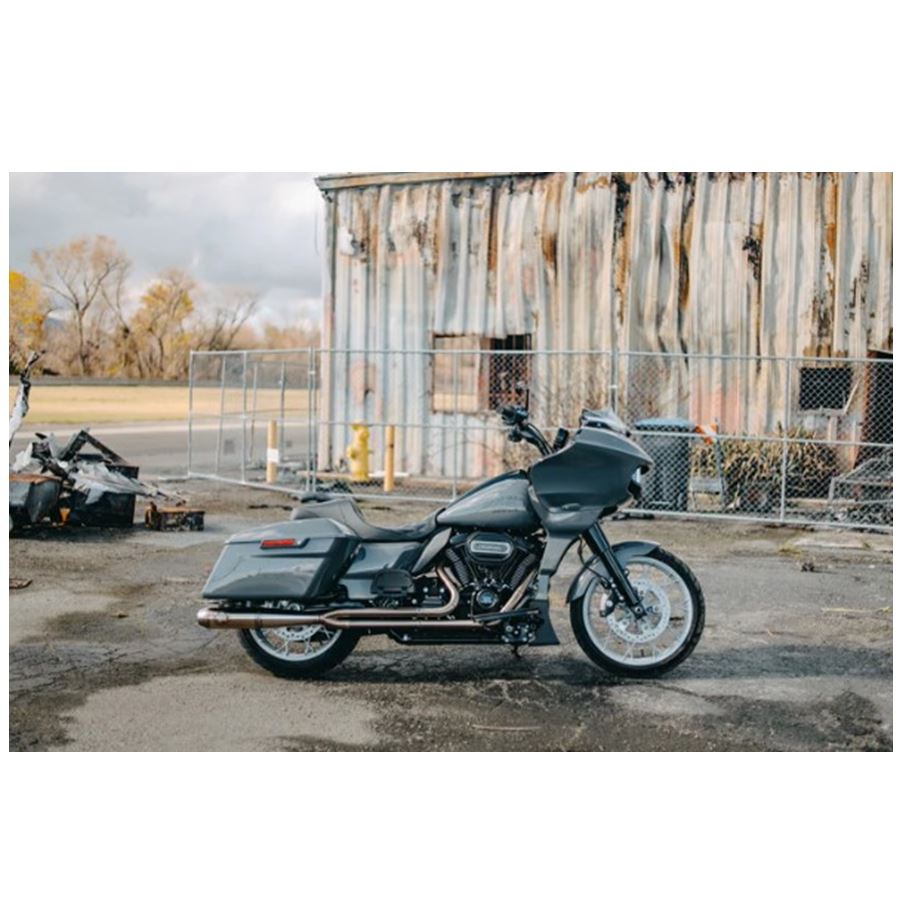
(83, 482)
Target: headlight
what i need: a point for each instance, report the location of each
(634, 486)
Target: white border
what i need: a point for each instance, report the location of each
(267, 86)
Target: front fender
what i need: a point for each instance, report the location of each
(624, 552)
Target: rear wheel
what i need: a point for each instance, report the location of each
(615, 640)
(302, 652)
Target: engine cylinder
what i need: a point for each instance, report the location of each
(489, 566)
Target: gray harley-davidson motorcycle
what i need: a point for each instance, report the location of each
(302, 592)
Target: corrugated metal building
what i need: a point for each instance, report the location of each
(749, 264)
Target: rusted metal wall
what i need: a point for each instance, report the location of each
(755, 264)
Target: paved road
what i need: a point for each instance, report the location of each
(161, 448)
(105, 655)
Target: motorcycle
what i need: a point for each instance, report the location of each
(302, 592)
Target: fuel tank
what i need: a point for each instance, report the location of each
(500, 503)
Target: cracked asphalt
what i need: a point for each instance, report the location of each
(105, 654)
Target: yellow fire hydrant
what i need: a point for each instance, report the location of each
(358, 452)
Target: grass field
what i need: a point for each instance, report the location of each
(97, 404)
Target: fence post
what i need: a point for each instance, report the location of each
(614, 378)
(244, 418)
(456, 428)
(311, 435)
(281, 385)
(272, 458)
(251, 453)
(784, 439)
(224, 361)
(389, 432)
(190, 423)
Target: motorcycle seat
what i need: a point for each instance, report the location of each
(346, 511)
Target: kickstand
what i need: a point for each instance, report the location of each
(516, 651)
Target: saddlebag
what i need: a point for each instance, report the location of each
(285, 561)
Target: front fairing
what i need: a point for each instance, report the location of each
(592, 473)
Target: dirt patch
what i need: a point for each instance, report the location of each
(232, 711)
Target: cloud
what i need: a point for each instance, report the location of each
(256, 231)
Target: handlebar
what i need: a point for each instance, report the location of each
(513, 415)
(520, 429)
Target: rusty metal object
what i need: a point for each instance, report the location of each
(173, 518)
(83, 483)
(33, 498)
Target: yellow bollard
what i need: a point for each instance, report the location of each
(389, 459)
(272, 459)
(358, 452)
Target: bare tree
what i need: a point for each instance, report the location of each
(223, 321)
(291, 337)
(117, 334)
(78, 274)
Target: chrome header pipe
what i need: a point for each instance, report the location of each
(405, 617)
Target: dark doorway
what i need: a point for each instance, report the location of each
(507, 368)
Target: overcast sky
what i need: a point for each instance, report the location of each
(236, 230)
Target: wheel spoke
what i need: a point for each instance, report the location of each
(295, 644)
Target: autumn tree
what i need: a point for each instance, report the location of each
(28, 308)
(80, 275)
(159, 326)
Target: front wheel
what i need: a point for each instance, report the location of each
(615, 640)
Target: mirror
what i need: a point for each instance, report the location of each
(522, 393)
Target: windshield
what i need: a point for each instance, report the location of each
(603, 418)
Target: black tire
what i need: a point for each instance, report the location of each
(300, 668)
(599, 658)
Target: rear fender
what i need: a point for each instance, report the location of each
(624, 552)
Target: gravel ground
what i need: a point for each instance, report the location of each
(105, 655)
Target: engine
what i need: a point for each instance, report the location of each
(489, 566)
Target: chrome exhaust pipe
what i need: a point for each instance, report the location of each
(406, 611)
(210, 617)
(406, 617)
(219, 619)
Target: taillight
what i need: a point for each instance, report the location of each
(278, 543)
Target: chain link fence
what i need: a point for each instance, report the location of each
(782, 439)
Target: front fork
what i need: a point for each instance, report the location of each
(601, 547)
